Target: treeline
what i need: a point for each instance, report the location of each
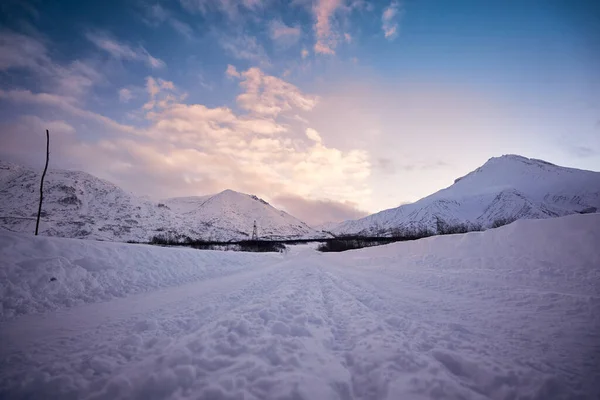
(337, 244)
(256, 246)
(344, 243)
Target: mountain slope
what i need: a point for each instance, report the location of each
(79, 205)
(508, 187)
(234, 214)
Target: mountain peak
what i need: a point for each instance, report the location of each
(506, 188)
(515, 157)
(89, 207)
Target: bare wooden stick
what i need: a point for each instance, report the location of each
(37, 224)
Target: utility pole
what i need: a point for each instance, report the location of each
(37, 224)
(255, 232)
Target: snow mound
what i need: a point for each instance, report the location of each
(39, 274)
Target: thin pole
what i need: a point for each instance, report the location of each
(37, 224)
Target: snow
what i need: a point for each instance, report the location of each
(508, 187)
(231, 212)
(79, 205)
(509, 313)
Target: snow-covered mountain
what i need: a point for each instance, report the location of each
(234, 213)
(504, 188)
(79, 205)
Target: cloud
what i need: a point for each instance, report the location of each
(583, 151)
(156, 14)
(125, 95)
(244, 47)
(162, 93)
(268, 95)
(232, 8)
(122, 51)
(313, 135)
(63, 103)
(317, 212)
(389, 24)
(232, 72)
(327, 39)
(390, 166)
(386, 165)
(22, 52)
(284, 34)
(181, 27)
(183, 148)
(24, 140)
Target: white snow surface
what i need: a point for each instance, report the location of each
(509, 187)
(510, 313)
(79, 205)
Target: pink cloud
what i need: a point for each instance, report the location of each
(389, 25)
(232, 72)
(326, 38)
(284, 34)
(317, 212)
(268, 95)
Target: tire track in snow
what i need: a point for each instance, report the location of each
(452, 328)
(100, 344)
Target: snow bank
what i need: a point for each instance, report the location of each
(39, 274)
(510, 313)
(558, 251)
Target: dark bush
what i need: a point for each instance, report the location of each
(443, 228)
(261, 246)
(343, 244)
(502, 221)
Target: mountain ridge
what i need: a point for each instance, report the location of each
(79, 205)
(504, 188)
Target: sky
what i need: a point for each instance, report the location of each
(328, 109)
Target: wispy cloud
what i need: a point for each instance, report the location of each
(327, 39)
(125, 95)
(156, 14)
(244, 47)
(317, 212)
(22, 52)
(123, 51)
(284, 34)
(389, 23)
(63, 103)
(232, 8)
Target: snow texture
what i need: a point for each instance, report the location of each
(79, 205)
(506, 188)
(510, 313)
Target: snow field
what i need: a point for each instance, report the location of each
(511, 313)
(88, 271)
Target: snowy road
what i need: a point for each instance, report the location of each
(441, 318)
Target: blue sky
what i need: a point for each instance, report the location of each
(328, 108)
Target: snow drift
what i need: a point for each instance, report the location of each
(509, 313)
